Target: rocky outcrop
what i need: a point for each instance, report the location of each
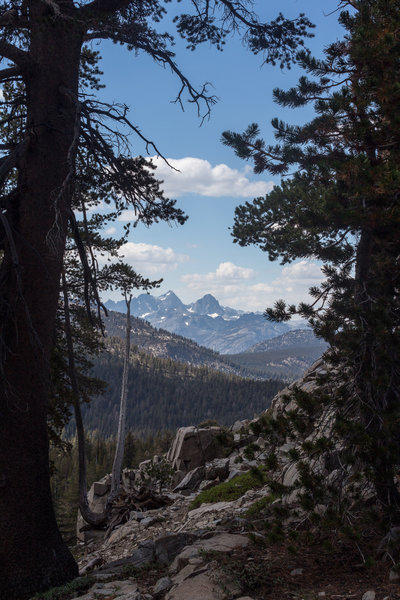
(194, 446)
(177, 536)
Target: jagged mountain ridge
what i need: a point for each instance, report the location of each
(205, 321)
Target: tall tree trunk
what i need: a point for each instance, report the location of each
(374, 398)
(89, 516)
(33, 555)
(119, 450)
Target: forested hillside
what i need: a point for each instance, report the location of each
(165, 394)
(165, 344)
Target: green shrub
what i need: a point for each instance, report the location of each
(250, 451)
(257, 507)
(69, 590)
(231, 490)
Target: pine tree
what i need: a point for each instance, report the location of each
(342, 206)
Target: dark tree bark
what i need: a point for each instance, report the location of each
(368, 369)
(32, 553)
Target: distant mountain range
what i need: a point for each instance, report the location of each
(205, 321)
(284, 357)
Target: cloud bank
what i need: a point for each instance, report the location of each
(233, 285)
(198, 176)
(150, 260)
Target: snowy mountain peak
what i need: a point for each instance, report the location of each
(171, 301)
(207, 305)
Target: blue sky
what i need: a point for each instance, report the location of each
(200, 257)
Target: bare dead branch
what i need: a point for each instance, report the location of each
(196, 97)
(118, 113)
(87, 272)
(164, 58)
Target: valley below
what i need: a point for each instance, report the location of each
(174, 381)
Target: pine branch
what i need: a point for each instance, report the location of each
(16, 55)
(10, 73)
(102, 8)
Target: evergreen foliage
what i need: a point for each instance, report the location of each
(342, 206)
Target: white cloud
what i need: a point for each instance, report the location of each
(226, 274)
(233, 285)
(198, 176)
(128, 215)
(1, 95)
(297, 278)
(111, 230)
(224, 283)
(150, 260)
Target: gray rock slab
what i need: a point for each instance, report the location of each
(209, 583)
(137, 515)
(144, 554)
(218, 468)
(238, 425)
(370, 595)
(199, 587)
(208, 508)
(191, 481)
(182, 559)
(169, 546)
(162, 585)
(234, 473)
(194, 446)
(148, 521)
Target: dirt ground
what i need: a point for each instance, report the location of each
(309, 573)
